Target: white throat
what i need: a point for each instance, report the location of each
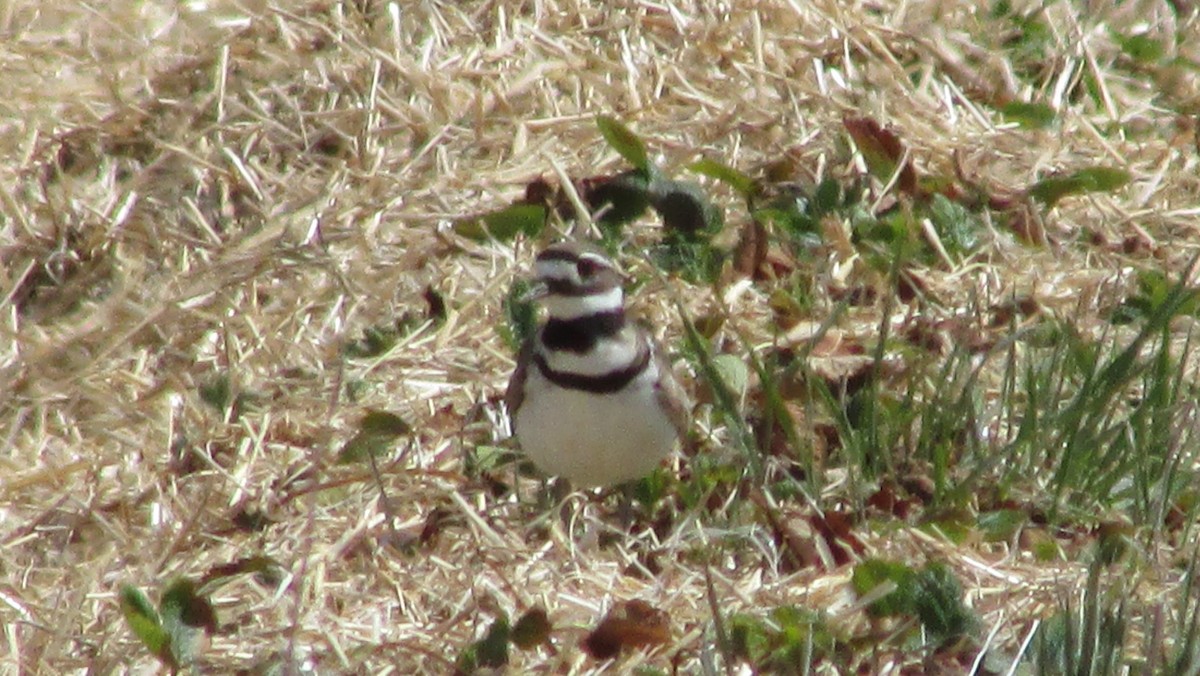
(574, 307)
(614, 353)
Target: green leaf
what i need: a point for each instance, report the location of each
(826, 198)
(651, 488)
(619, 199)
(625, 142)
(362, 446)
(504, 224)
(1001, 525)
(802, 633)
(684, 207)
(791, 210)
(1103, 179)
(696, 260)
(493, 648)
(951, 526)
(485, 458)
(375, 340)
(1044, 547)
(793, 221)
(144, 621)
(532, 629)
(182, 603)
(957, 227)
(891, 229)
(872, 573)
(1141, 48)
(185, 613)
(383, 423)
(1114, 542)
(709, 475)
(781, 643)
(467, 663)
(1155, 290)
(939, 605)
(520, 315)
(217, 392)
(749, 638)
(947, 186)
(1093, 179)
(734, 372)
(1029, 40)
(489, 652)
(1029, 115)
(377, 432)
(726, 174)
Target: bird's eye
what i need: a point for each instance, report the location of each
(587, 267)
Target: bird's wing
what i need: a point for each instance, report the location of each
(671, 395)
(515, 393)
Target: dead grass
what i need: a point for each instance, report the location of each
(233, 190)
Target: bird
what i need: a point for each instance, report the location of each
(592, 398)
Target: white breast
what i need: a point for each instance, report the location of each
(594, 439)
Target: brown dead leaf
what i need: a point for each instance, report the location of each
(830, 438)
(1027, 225)
(771, 436)
(911, 285)
(649, 562)
(883, 152)
(837, 344)
(1096, 239)
(835, 528)
(541, 192)
(857, 295)
(446, 420)
(250, 520)
(1176, 516)
(751, 250)
(1185, 133)
(785, 310)
(976, 194)
(840, 361)
(436, 304)
(1035, 539)
(1021, 307)
(888, 501)
(435, 522)
(779, 263)
(822, 539)
(1139, 245)
(835, 231)
(945, 334)
(927, 333)
(920, 485)
(782, 170)
(800, 550)
(982, 75)
(629, 625)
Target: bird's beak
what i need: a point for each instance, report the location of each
(537, 291)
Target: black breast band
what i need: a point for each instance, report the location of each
(581, 334)
(606, 383)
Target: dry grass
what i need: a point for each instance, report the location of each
(235, 190)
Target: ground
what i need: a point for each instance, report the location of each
(235, 230)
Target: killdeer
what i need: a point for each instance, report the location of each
(592, 398)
